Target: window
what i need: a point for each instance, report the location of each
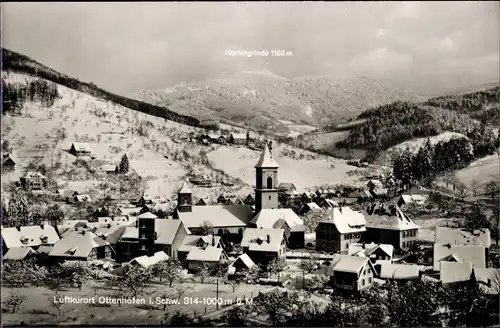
(269, 197)
(404, 244)
(363, 282)
(369, 280)
(346, 245)
(364, 271)
(269, 183)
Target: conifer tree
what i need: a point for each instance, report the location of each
(124, 165)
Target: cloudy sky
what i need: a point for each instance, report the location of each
(127, 47)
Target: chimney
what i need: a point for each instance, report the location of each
(340, 209)
(137, 224)
(363, 245)
(83, 232)
(489, 282)
(213, 240)
(268, 239)
(18, 228)
(41, 226)
(109, 225)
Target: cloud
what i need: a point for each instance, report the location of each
(380, 62)
(404, 10)
(382, 33)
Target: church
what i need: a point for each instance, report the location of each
(230, 221)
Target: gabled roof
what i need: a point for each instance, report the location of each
(191, 241)
(329, 203)
(33, 236)
(396, 221)
(312, 206)
(67, 193)
(147, 215)
(347, 263)
(220, 216)
(376, 183)
(108, 168)
(419, 199)
(465, 254)
(399, 271)
(455, 272)
(455, 236)
(81, 146)
(286, 185)
(83, 198)
(18, 253)
(266, 159)
(185, 189)
(9, 161)
(243, 258)
(256, 239)
(165, 229)
(147, 261)
(266, 218)
(482, 276)
(357, 249)
(239, 135)
(77, 244)
(34, 175)
(208, 254)
(104, 221)
(346, 220)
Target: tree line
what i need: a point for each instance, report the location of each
(456, 153)
(15, 95)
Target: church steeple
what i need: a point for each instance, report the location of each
(266, 184)
(185, 199)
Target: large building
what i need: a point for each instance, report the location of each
(231, 221)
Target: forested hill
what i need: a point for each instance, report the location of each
(16, 62)
(382, 127)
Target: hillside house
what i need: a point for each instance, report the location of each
(238, 138)
(488, 280)
(34, 181)
(18, 253)
(202, 202)
(240, 266)
(400, 272)
(81, 245)
(222, 140)
(249, 200)
(80, 149)
(82, 199)
(308, 207)
(263, 245)
(359, 196)
(101, 212)
(390, 226)
(208, 257)
(328, 203)
(351, 273)
(192, 241)
(109, 169)
(145, 199)
(381, 193)
(213, 137)
(406, 199)
(375, 252)
(67, 194)
(473, 254)
(8, 163)
(454, 272)
(28, 236)
(456, 236)
(148, 236)
(223, 200)
(342, 228)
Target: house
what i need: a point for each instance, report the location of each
(307, 208)
(18, 253)
(381, 193)
(359, 196)
(34, 181)
(287, 188)
(192, 241)
(208, 257)
(374, 184)
(457, 236)
(488, 280)
(202, 202)
(351, 273)
(342, 228)
(148, 261)
(81, 245)
(28, 236)
(8, 164)
(399, 271)
(102, 212)
(145, 199)
(67, 193)
(213, 137)
(65, 225)
(110, 169)
(80, 149)
(375, 252)
(461, 254)
(263, 245)
(222, 200)
(147, 215)
(238, 138)
(242, 264)
(148, 236)
(222, 140)
(406, 199)
(389, 226)
(328, 203)
(276, 218)
(453, 272)
(82, 199)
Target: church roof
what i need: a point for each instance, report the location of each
(266, 159)
(185, 189)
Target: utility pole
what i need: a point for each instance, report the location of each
(217, 296)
